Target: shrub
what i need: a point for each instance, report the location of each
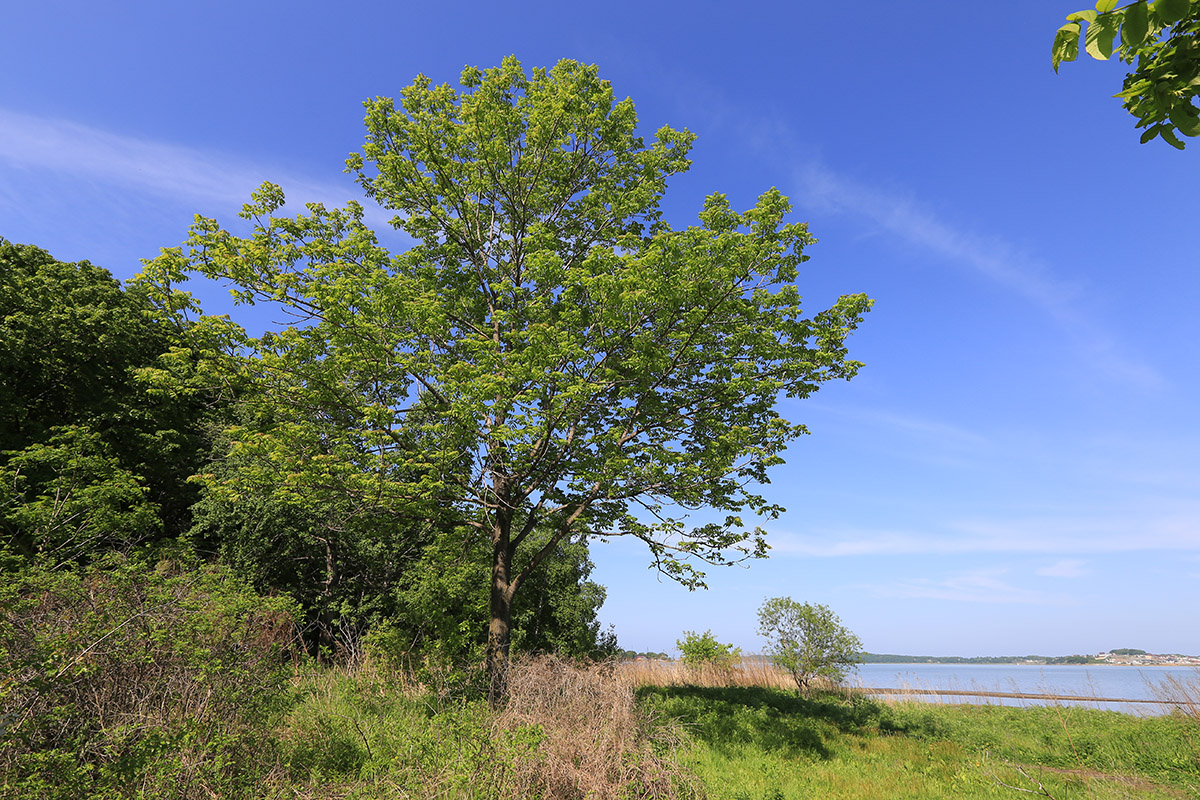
(703, 650)
(132, 679)
(807, 640)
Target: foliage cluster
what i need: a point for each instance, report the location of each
(90, 459)
(703, 650)
(807, 640)
(1163, 38)
(632, 655)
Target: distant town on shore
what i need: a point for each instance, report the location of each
(1125, 656)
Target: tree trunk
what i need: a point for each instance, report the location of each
(500, 624)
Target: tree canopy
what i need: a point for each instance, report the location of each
(1163, 40)
(89, 457)
(549, 359)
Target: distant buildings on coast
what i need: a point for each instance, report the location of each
(1140, 659)
(1124, 657)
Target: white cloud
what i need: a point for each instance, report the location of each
(932, 433)
(991, 257)
(1064, 568)
(975, 586)
(166, 170)
(1066, 535)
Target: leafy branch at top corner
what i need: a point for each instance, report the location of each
(1162, 39)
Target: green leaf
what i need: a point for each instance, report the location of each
(1168, 135)
(1172, 11)
(1150, 133)
(1136, 25)
(1185, 117)
(1134, 90)
(1066, 44)
(1104, 6)
(1086, 15)
(1099, 38)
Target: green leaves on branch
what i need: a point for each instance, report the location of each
(1163, 40)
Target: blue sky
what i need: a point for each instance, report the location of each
(1014, 471)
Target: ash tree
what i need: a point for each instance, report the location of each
(807, 640)
(549, 360)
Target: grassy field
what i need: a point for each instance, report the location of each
(747, 743)
(641, 732)
(614, 731)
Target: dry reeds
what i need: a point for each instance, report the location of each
(595, 741)
(751, 671)
(1182, 693)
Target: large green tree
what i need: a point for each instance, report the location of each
(1162, 40)
(549, 357)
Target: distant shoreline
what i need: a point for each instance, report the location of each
(1098, 660)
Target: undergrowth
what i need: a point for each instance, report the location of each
(136, 679)
(172, 680)
(566, 732)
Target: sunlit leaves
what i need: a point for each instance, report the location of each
(1162, 40)
(1098, 39)
(1066, 44)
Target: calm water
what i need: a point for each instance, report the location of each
(1129, 683)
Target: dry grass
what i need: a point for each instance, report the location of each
(751, 672)
(595, 743)
(1182, 693)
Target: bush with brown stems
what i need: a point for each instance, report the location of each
(138, 678)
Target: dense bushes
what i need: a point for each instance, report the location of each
(138, 678)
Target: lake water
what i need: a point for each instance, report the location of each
(1125, 683)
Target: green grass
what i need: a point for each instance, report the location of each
(771, 744)
(356, 737)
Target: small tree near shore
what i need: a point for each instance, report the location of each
(703, 649)
(807, 640)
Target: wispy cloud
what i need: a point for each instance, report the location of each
(1069, 536)
(1065, 568)
(910, 436)
(974, 586)
(904, 217)
(172, 171)
(991, 257)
